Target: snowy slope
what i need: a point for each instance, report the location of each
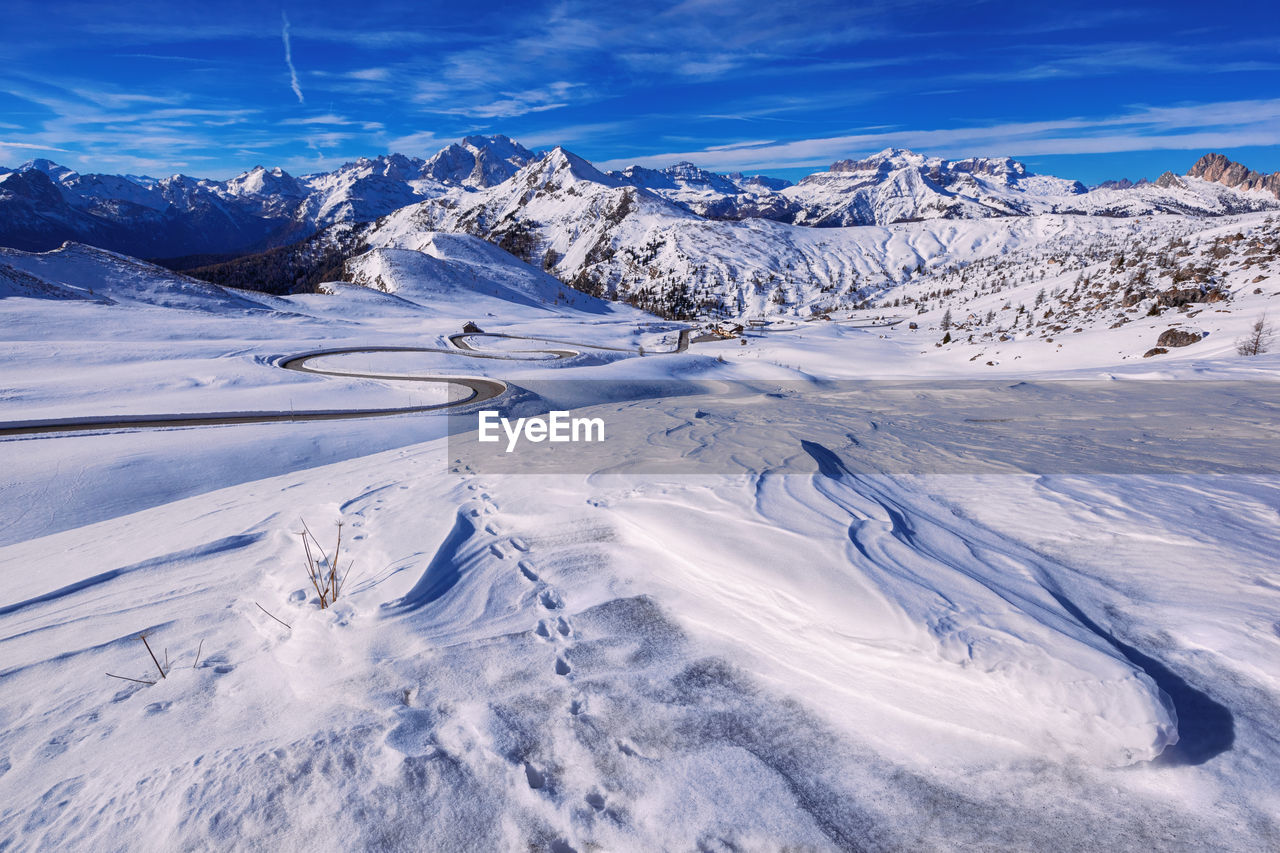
(434, 269)
(83, 272)
(1102, 297)
(772, 610)
(364, 190)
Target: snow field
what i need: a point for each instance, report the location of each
(818, 649)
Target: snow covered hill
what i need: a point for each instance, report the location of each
(435, 268)
(79, 272)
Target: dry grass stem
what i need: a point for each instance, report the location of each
(143, 638)
(273, 616)
(322, 569)
(127, 678)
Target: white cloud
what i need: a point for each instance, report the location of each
(369, 74)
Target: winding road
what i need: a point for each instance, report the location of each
(480, 389)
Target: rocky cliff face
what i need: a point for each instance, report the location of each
(1220, 169)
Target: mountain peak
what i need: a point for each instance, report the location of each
(57, 173)
(1004, 167)
(478, 161)
(560, 163)
(260, 181)
(1220, 169)
(889, 158)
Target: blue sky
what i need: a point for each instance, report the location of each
(1099, 90)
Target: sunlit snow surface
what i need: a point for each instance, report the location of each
(810, 593)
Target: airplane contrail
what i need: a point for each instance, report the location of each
(288, 59)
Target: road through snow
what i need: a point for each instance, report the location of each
(479, 390)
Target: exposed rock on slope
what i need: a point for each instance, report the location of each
(1179, 337)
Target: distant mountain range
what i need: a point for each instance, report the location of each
(484, 184)
(43, 204)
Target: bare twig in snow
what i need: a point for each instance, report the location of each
(143, 638)
(127, 678)
(322, 569)
(273, 616)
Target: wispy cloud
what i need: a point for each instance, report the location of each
(126, 100)
(94, 129)
(369, 74)
(4, 143)
(569, 134)
(164, 57)
(1225, 124)
(288, 58)
(418, 143)
(328, 119)
(508, 104)
(726, 83)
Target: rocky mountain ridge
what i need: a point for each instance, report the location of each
(1218, 168)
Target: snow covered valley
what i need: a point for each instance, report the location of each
(828, 584)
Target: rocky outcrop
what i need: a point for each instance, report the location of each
(1176, 297)
(1122, 184)
(1222, 170)
(1179, 337)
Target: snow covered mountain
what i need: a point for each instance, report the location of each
(645, 236)
(364, 190)
(478, 161)
(898, 185)
(368, 188)
(43, 204)
(174, 216)
(620, 234)
(714, 196)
